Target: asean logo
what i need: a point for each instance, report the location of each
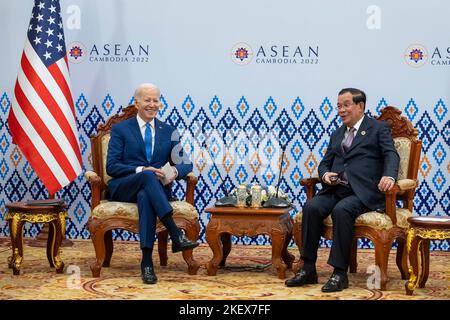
(76, 52)
(416, 55)
(241, 54)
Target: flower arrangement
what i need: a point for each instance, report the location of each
(267, 192)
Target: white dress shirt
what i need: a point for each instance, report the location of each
(142, 126)
(356, 126)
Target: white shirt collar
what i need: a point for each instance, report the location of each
(142, 123)
(357, 125)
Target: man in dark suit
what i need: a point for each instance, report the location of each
(139, 147)
(360, 164)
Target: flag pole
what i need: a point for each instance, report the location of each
(42, 116)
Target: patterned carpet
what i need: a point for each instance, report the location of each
(248, 275)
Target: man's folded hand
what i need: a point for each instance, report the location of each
(157, 171)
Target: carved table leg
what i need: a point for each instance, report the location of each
(215, 243)
(16, 230)
(57, 229)
(413, 243)
(425, 262)
(297, 265)
(278, 239)
(226, 242)
(402, 258)
(285, 255)
(50, 243)
(13, 244)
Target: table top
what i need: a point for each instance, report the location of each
(430, 222)
(24, 207)
(248, 210)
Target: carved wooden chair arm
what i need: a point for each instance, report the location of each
(391, 197)
(92, 176)
(407, 184)
(96, 187)
(309, 183)
(191, 181)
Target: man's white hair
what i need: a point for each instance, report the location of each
(142, 87)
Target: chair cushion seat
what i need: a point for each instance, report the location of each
(372, 219)
(116, 209)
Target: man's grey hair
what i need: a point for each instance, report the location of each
(142, 87)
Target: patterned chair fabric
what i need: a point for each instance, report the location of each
(371, 219)
(403, 146)
(116, 209)
(105, 142)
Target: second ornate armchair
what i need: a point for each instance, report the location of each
(109, 215)
(383, 228)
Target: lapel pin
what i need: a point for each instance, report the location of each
(363, 133)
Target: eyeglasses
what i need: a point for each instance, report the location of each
(345, 106)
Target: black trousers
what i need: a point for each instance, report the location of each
(344, 207)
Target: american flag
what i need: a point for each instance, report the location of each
(42, 117)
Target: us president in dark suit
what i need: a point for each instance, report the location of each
(361, 163)
(137, 150)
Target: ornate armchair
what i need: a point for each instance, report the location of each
(383, 228)
(108, 215)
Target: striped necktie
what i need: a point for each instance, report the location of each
(347, 142)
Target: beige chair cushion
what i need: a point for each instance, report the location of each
(372, 219)
(110, 209)
(105, 142)
(403, 146)
(116, 209)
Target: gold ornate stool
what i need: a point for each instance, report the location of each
(19, 213)
(420, 232)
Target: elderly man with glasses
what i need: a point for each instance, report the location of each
(361, 163)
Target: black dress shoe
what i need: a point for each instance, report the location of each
(301, 278)
(336, 283)
(182, 243)
(148, 275)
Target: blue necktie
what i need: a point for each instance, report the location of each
(148, 141)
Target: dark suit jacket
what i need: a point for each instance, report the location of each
(371, 156)
(126, 151)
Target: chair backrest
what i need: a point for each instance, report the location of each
(99, 142)
(407, 144)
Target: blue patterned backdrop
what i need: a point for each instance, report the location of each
(304, 131)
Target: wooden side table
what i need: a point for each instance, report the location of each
(421, 231)
(19, 213)
(227, 221)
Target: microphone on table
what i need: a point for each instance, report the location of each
(276, 201)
